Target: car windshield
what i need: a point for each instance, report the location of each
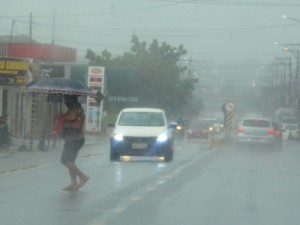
(211, 121)
(205, 124)
(256, 123)
(153, 119)
(289, 120)
(290, 127)
(198, 125)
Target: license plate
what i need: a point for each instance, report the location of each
(139, 145)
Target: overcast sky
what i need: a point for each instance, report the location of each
(220, 30)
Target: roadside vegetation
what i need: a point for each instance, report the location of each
(152, 74)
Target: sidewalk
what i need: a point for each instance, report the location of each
(11, 159)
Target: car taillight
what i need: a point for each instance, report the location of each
(241, 129)
(277, 133)
(270, 131)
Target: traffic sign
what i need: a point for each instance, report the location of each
(229, 107)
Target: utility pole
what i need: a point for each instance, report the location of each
(295, 50)
(297, 66)
(285, 79)
(30, 28)
(12, 30)
(290, 81)
(297, 79)
(53, 37)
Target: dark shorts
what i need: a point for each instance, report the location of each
(71, 149)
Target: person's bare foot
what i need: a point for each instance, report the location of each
(70, 188)
(82, 182)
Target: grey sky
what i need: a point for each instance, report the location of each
(220, 30)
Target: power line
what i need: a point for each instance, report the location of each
(241, 3)
(122, 11)
(174, 3)
(275, 26)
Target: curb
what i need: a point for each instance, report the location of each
(214, 142)
(3, 155)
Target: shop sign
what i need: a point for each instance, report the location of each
(17, 71)
(96, 77)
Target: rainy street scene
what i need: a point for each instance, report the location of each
(157, 112)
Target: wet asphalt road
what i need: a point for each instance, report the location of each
(205, 186)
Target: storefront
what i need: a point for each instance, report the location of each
(15, 75)
(20, 66)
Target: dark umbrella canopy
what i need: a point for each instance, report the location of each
(61, 86)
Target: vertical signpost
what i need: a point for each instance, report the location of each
(96, 78)
(228, 109)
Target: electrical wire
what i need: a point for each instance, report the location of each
(241, 3)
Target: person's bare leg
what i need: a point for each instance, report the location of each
(83, 177)
(73, 186)
(73, 178)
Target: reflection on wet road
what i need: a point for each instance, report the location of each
(220, 185)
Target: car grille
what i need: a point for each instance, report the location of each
(148, 140)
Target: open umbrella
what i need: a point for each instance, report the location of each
(55, 88)
(61, 86)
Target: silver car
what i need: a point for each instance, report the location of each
(256, 131)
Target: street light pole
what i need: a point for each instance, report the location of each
(297, 60)
(295, 50)
(290, 18)
(286, 62)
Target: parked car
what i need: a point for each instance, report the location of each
(257, 132)
(142, 132)
(278, 133)
(284, 115)
(290, 132)
(289, 120)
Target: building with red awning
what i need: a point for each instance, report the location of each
(43, 52)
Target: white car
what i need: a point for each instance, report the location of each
(290, 132)
(142, 132)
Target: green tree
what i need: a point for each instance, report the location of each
(159, 73)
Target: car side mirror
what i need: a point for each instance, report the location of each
(111, 125)
(172, 125)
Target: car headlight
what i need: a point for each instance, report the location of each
(162, 138)
(118, 137)
(178, 127)
(210, 128)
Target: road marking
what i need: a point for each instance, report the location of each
(98, 223)
(149, 189)
(136, 198)
(124, 203)
(118, 210)
(18, 170)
